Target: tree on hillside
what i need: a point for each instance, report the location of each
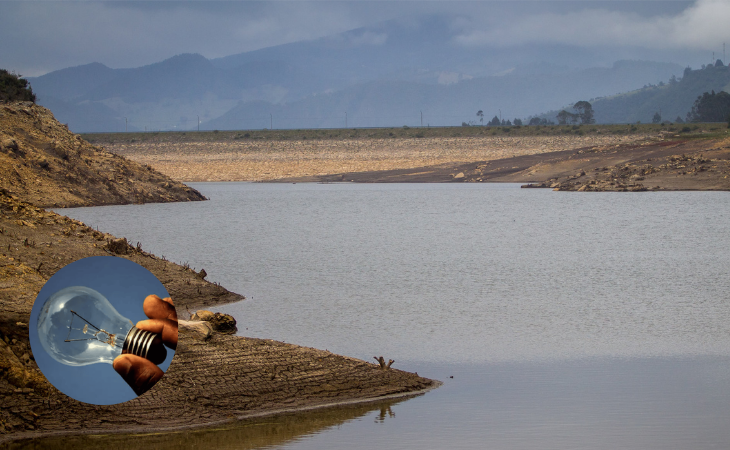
(480, 114)
(585, 111)
(14, 88)
(495, 122)
(710, 107)
(657, 118)
(564, 117)
(539, 121)
(517, 122)
(678, 120)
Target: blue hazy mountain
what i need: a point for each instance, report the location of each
(382, 75)
(397, 103)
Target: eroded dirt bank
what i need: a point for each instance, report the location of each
(46, 165)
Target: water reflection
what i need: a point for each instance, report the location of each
(242, 435)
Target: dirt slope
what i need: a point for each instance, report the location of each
(45, 164)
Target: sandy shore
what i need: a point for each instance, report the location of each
(248, 160)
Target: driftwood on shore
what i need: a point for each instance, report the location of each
(382, 362)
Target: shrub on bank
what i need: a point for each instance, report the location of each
(14, 88)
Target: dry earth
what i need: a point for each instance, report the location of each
(306, 160)
(43, 163)
(695, 164)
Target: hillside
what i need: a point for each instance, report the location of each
(43, 163)
(673, 99)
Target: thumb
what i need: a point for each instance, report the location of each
(139, 373)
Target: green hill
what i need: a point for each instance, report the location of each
(673, 99)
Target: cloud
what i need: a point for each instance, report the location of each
(369, 38)
(38, 37)
(704, 24)
(42, 36)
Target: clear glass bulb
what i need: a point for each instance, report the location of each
(78, 326)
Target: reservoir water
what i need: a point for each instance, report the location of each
(567, 320)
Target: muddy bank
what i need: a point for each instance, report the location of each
(244, 434)
(215, 380)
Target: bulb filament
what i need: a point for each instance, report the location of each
(100, 335)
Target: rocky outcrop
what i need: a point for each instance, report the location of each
(222, 323)
(43, 163)
(197, 329)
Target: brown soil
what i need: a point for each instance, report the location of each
(212, 378)
(211, 381)
(695, 164)
(46, 165)
(650, 164)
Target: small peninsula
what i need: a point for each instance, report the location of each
(214, 378)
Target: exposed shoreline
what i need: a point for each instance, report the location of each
(213, 378)
(312, 159)
(605, 159)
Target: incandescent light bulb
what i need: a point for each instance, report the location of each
(78, 326)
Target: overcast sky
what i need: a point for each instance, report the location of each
(38, 37)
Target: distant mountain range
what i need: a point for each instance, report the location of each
(389, 74)
(398, 103)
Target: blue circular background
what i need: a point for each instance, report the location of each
(125, 284)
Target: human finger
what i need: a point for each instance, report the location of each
(139, 373)
(156, 308)
(164, 327)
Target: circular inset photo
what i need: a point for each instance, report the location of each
(103, 330)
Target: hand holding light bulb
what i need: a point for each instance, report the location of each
(141, 373)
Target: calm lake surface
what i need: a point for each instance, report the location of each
(567, 320)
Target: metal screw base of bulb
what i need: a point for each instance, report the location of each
(138, 342)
